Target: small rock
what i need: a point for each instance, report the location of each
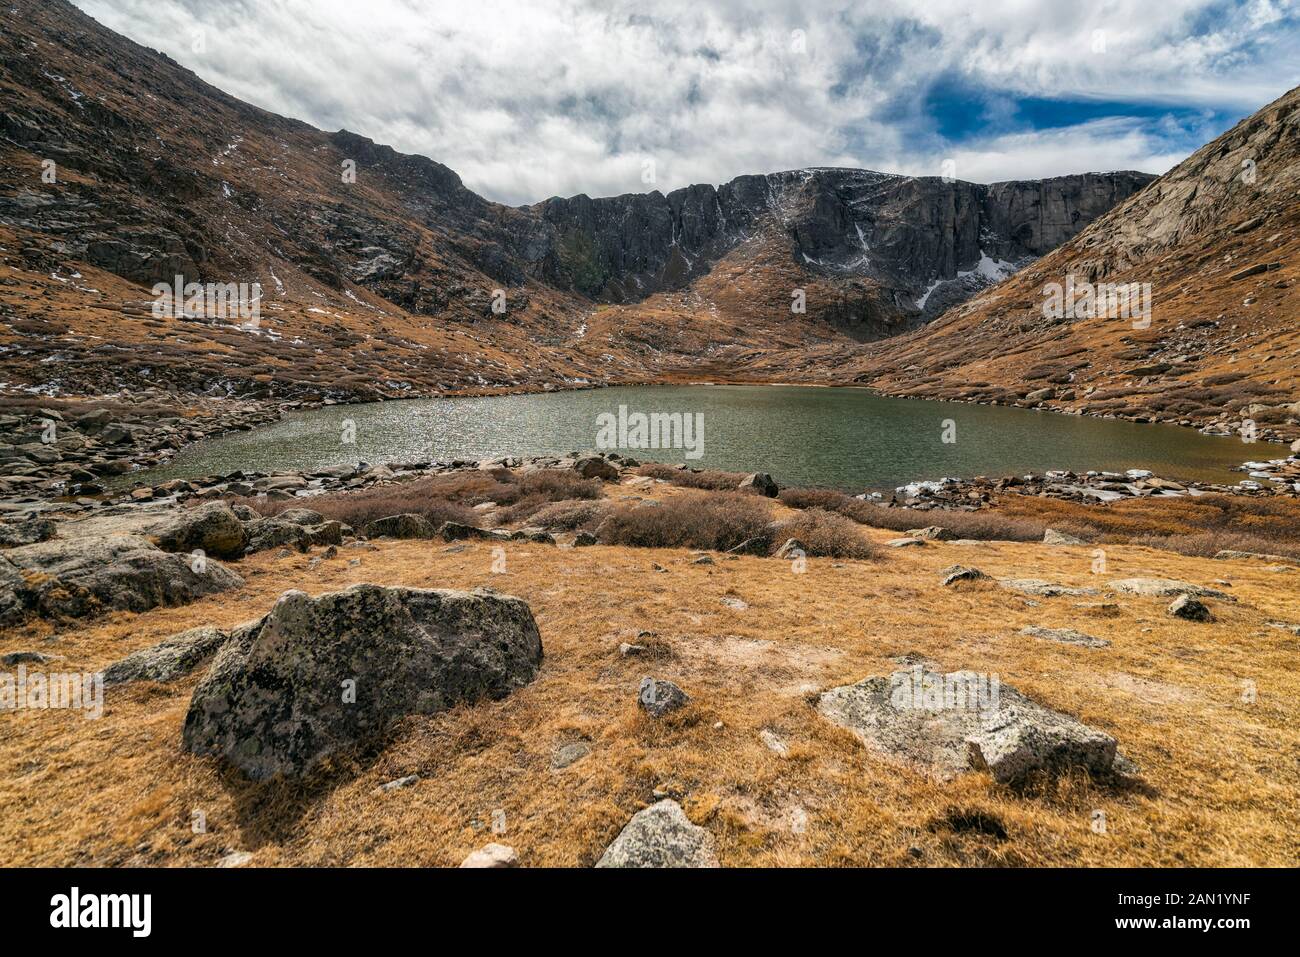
(960, 573)
(492, 855)
(405, 782)
(629, 650)
(658, 697)
(235, 859)
(1053, 537)
(24, 658)
(774, 742)
(661, 836)
(570, 753)
(1189, 609)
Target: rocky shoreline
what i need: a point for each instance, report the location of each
(67, 451)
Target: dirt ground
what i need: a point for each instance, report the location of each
(1207, 711)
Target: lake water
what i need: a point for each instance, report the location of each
(843, 438)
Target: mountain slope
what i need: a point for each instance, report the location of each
(399, 280)
(1218, 241)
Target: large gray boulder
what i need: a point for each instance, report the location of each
(277, 532)
(660, 836)
(211, 528)
(73, 578)
(318, 675)
(406, 525)
(961, 721)
(170, 659)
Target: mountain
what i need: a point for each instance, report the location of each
(121, 169)
(1216, 241)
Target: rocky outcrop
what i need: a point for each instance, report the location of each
(77, 577)
(318, 675)
(661, 836)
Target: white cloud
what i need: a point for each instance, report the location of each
(531, 98)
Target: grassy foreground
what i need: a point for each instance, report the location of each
(1218, 781)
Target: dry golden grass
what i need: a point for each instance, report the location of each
(1219, 780)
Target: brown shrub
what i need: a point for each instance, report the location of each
(570, 515)
(716, 521)
(692, 478)
(1209, 544)
(826, 533)
(986, 524)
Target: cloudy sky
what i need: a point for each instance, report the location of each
(527, 99)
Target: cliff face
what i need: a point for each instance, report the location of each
(908, 234)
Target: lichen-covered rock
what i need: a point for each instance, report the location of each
(963, 721)
(406, 525)
(657, 697)
(660, 836)
(29, 532)
(264, 533)
(317, 675)
(211, 528)
(458, 531)
(73, 578)
(1053, 537)
(170, 659)
(1189, 608)
(932, 533)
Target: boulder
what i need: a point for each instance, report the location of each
(661, 836)
(1165, 588)
(1189, 609)
(458, 531)
(211, 528)
(1231, 554)
(593, 466)
(73, 578)
(318, 675)
(301, 516)
(656, 697)
(962, 721)
(1053, 537)
(759, 482)
(406, 525)
(170, 659)
(932, 533)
